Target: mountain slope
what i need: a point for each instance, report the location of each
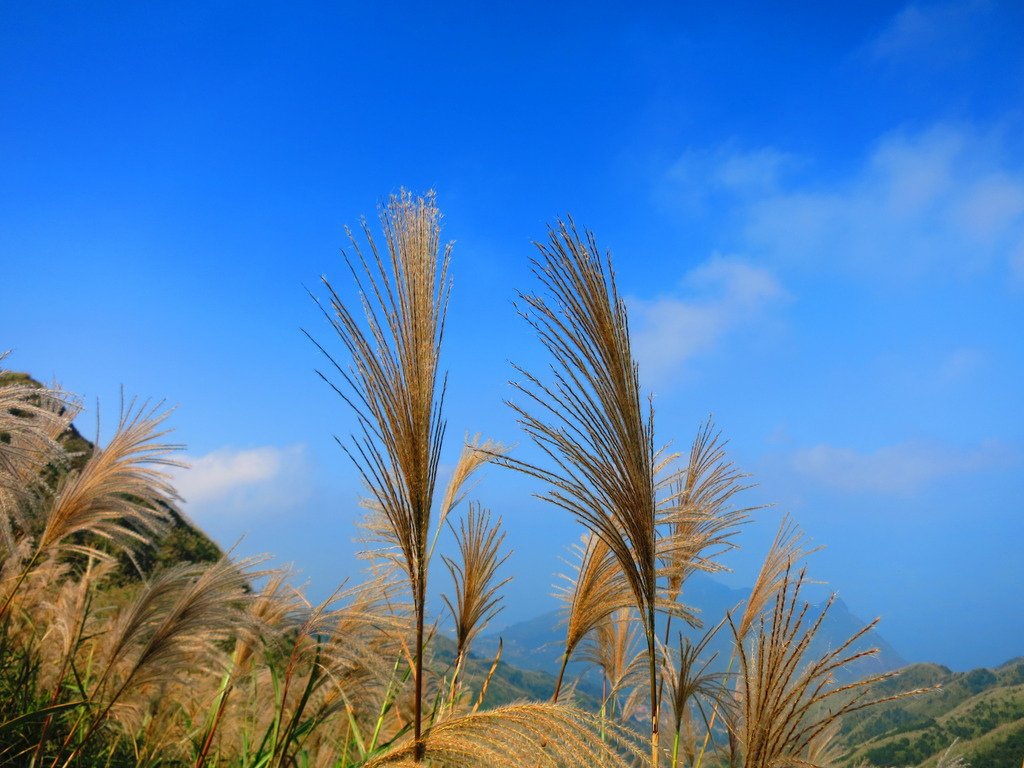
(981, 710)
(508, 683)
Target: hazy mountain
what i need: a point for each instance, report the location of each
(536, 644)
(980, 713)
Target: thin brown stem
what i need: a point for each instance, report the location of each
(420, 750)
(208, 741)
(561, 676)
(655, 687)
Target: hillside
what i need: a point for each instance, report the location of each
(982, 710)
(183, 541)
(509, 683)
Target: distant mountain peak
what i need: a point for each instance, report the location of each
(536, 643)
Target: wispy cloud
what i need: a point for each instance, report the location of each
(946, 198)
(701, 175)
(961, 364)
(231, 482)
(1017, 264)
(941, 199)
(721, 296)
(903, 469)
(946, 31)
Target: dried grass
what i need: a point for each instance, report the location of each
(781, 719)
(195, 667)
(596, 591)
(475, 576)
(591, 420)
(530, 734)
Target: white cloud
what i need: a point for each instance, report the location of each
(948, 31)
(724, 294)
(904, 468)
(1017, 264)
(238, 482)
(699, 175)
(942, 199)
(961, 364)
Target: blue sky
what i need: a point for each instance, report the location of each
(816, 211)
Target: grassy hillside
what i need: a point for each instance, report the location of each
(183, 541)
(186, 542)
(981, 710)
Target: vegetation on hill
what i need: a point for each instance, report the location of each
(181, 542)
(501, 683)
(981, 712)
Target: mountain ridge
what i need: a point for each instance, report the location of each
(536, 643)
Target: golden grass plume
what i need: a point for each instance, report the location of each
(591, 420)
